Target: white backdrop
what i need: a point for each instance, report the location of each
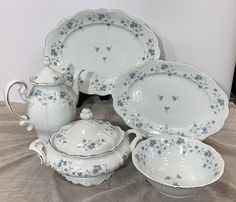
(194, 31)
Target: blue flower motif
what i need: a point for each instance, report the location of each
(64, 162)
(120, 103)
(96, 169)
(53, 52)
(204, 130)
(198, 77)
(151, 51)
(178, 176)
(132, 75)
(62, 94)
(220, 101)
(152, 143)
(166, 108)
(69, 25)
(180, 141)
(38, 93)
(139, 125)
(133, 25)
(103, 87)
(92, 145)
(216, 173)
(160, 97)
(101, 16)
(208, 153)
(164, 66)
(167, 178)
(59, 165)
(174, 98)
(137, 156)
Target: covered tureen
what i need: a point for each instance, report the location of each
(87, 151)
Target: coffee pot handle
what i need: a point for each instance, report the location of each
(23, 90)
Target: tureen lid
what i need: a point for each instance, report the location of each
(47, 75)
(87, 137)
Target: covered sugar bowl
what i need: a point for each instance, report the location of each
(87, 151)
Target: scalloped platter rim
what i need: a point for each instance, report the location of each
(103, 42)
(158, 97)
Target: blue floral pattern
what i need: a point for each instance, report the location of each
(66, 167)
(45, 97)
(102, 86)
(200, 130)
(112, 130)
(159, 147)
(60, 135)
(91, 144)
(107, 48)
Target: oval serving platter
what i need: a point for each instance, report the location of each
(170, 97)
(104, 43)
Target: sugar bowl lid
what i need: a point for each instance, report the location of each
(87, 137)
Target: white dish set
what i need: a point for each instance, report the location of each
(108, 52)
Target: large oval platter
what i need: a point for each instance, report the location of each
(169, 97)
(104, 43)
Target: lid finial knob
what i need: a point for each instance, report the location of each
(46, 61)
(86, 114)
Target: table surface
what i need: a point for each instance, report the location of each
(22, 178)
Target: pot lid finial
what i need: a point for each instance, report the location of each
(86, 114)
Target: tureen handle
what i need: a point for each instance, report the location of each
(23, 90)
(38, 146)
(136, 140)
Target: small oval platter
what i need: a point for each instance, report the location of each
(105, 43)
(170, 97)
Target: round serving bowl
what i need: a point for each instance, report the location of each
(177, 166)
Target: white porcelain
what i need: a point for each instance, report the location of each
(87, 151)
(178, 167)
(105, 43)
(50, 103)
(170, 97)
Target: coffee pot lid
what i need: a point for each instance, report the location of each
(47, 75)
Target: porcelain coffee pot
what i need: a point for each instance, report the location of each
(50, 103)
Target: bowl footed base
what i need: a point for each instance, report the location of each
(88, 181)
